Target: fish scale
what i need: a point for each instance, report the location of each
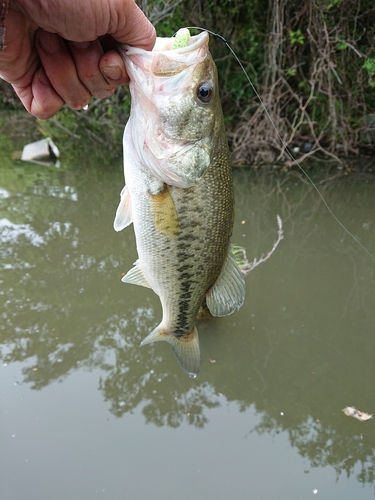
(178, 192)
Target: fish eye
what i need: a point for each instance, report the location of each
(204, 92)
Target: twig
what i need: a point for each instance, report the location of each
(62, 127)
(246, 266)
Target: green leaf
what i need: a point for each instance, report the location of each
(369, 66)
(296, 37)
(341, 45)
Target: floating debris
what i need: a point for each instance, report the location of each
(350, 411)
(41, 152)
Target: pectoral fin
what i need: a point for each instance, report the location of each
(124, 211)
(164, 212)
(228, 292)
(186, 348)
(136, 276)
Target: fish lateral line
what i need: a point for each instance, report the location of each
(286, 148)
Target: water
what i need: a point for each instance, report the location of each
(86, 413)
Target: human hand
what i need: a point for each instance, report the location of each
(62, 51)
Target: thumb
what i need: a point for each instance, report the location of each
(133, 27)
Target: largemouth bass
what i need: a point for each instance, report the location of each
(178, 190)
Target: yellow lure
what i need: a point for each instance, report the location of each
(181, 39)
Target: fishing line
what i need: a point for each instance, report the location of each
(287, 150)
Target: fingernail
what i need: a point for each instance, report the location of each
(50, 42)
(112, 72)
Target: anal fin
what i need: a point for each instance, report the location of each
(136, 276)
(228, 292)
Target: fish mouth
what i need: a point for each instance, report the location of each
(194, 42)
(164, 44)
(163, 59)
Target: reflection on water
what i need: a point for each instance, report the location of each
(299, 350)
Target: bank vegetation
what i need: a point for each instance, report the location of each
(312, 64)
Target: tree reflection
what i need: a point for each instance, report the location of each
(63, 307)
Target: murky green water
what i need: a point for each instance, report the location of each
(86, 413)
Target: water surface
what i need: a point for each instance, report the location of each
(86, 413)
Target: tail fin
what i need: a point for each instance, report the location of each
(186, 348)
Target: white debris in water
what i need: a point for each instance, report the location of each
(350, 411)
(44, 149)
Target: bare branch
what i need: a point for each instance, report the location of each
(240, 252)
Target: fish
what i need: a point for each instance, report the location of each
(178, 190)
